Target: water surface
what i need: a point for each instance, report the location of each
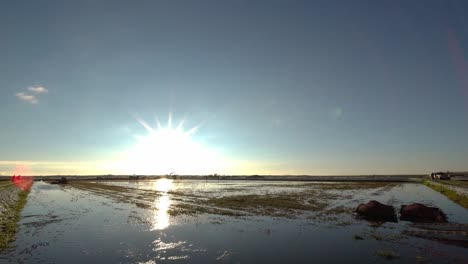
(62, 224)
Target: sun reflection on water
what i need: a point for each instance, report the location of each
(161, 218)
(163, 185)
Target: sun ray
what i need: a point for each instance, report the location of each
(192, 131)
(158, 124)
(169, 121)
(145, 125)
(180, 125)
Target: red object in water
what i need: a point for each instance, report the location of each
(421, 213)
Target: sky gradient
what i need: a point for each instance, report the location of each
(271, 87)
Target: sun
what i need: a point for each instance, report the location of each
(170, 149)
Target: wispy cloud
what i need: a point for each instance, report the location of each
(27, 98)
(37, 89)
(31, 96)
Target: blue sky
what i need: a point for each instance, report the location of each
(273, 87)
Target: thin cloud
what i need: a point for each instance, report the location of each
(37, 89)
(31, 95)
(28, 98)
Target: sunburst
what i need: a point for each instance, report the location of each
(167, 149)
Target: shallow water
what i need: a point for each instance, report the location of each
(61, 224)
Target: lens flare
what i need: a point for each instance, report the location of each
(21, 178)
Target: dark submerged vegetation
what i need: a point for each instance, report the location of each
(388, 254)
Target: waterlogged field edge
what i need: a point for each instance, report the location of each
(12, 201)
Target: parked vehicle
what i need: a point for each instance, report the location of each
(440, 176)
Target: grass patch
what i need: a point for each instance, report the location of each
(420, 259)
(451, 194)
(353, 185)
(187, 204)
(193, 209)
(5, 184)
(375, 236)
(283, 205)
(343, 186)
(10, 217)
(387, 254)
(118, 193)
(143, 205)
(93, 185)
(462, 184)
(386, 237)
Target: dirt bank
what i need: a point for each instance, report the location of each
(12, 200)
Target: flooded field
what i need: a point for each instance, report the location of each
(198, 221)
